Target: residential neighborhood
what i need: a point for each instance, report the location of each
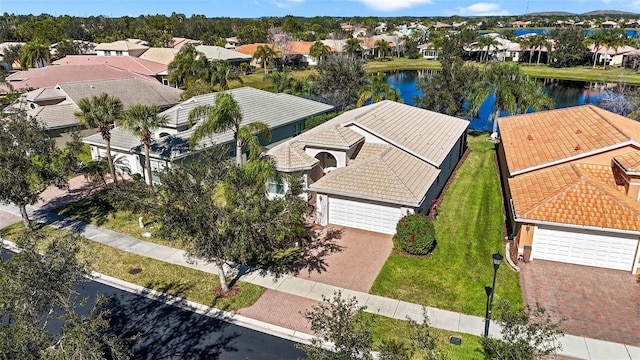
(358, 187)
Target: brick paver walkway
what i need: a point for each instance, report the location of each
(597, 303)
(282, 309)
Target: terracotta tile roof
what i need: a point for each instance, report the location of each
(55, 74)
(291, 157)
(389, 176)
(131, 63)
(549, 137)
(630, 162)
(333, 137)
(179, 42)
(577, 194)
(250, 49)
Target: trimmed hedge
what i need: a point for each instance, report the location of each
(415, 234)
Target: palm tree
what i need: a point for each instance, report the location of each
(221, 73)
(101, 111)
(319, 51)
(264, 54)
(182, 69)
(377, 90)
(35, 53)
(514, 92)
(540, 41)
(142, 120)
(383, 48)
(283, 81)
(95, 171)
(597, 39)
(226, 115)
(526, 42)
(486, 42)
(352, 46)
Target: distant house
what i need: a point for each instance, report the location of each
(440, 25)
(178, 43)
(220, 53)
(137, 65)
(428, 51)
(609, 25)
(232, 43)
(52, 75)
(129, 47)
(520, 24)
(368, 167)
(3, 47)
(571, 179)
(284, 114)
(250, 50)
(613, 56)
(55, 106)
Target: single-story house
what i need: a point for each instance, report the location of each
(370, 166)
(219, 53)
(284, 114)
(571, 179)
(137, 65)
(55, 106)
(612, 56)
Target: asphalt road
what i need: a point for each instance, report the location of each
(163, 331)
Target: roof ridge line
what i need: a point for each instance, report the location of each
(591, 108)
(393, 173)
(604, 189)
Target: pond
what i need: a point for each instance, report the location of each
(564, 93)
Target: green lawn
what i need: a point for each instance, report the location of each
(468, 231)
(385, 328)
(85, 153)
(168, 278)
(91, 211)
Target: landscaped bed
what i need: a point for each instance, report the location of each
(468, 230)
(161, 276)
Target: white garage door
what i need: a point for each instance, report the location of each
(364, 215)
(584, 247)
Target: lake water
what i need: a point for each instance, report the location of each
(564, 93)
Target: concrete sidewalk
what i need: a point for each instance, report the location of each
(572, 346)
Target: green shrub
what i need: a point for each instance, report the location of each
(415, 234)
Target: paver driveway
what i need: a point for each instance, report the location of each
(357, 262)
(598, 303)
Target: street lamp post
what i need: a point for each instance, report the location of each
(497, 259)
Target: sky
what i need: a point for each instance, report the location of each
(308, 8)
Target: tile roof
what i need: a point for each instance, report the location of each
(159, 55)
(47, 93)
(55, 116)
(55, 74)
(130, 91)
(548, 137)
(121, 45)
(630, 162)
(257, 105)
(576, 194)
(334, 137)
(426, 134)
(131, 63)
(292, 158)
(121, 139)
(179, 42)
(250, 49)
(391, 175)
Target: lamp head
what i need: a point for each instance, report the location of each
(497, 259)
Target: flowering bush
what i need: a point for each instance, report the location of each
(415, 234)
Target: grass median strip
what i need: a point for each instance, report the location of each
(194, 285)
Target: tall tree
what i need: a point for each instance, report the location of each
(513, 91)
(265, 55)
(598, 39)
(34, 54)
(101, 111)
(540, 41)
(184, 69)
(339, 80)
(141, 120)
(222, 213)
(569, 48)
(12, 54)
(283, 81)
(319, 51)
(38, 295)
(377, 89)
(29, 162)
(352, 47)
(226, 115)
(484, 44)
(526, 43)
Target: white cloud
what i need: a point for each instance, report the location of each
(390, 5)
(482, 9)
(286, 4)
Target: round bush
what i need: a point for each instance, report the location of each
(415, 234)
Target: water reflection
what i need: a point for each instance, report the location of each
(564, 93)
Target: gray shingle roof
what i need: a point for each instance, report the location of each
(121, 139)
(55, 116)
